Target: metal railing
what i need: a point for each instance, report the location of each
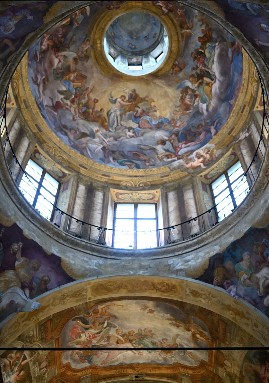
(180, 232)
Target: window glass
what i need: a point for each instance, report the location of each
(235, 171)
(124, 224)
(44, 207)
(39, 188)
(227, 202)
(124, 234)
(33, 170)
(229, 190)
(146, 234)
(224, 209)
(50, 184)
(240, 189)
(28, 188)
(47, 195)
(225, 193)
(146, 210)
(135, 226)
(218, 185)
(125, 210)
(27, 194)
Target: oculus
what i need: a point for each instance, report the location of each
(136, 43)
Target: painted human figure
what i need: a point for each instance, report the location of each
(40, 286)
(24, 268)
(114, 113)
(246, 287)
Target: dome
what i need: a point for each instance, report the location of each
(172, 121)
(134, 103)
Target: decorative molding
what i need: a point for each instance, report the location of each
(151, 196)
(132, 287)
(226, 161)
(135, 183)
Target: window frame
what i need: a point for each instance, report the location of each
(230, 189)
(40, 186)
(135, 218)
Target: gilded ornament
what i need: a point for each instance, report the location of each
(135, 183)
(135, 196)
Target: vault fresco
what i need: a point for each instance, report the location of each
(243, 269)
(27, 366)
(133, 324)
(144, 122)
(16, 22)
(255, 367)
(25, 272)
(252, 19)
(143, 324)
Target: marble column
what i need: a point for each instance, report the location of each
(63, 203)
(13, 134)
(78, 210)
(96, 213)
(21, 152)
(200, 191)
(248, 156)
(255, 133)
(109, 221)
(190, 207)
(161, 234)
(174, 215)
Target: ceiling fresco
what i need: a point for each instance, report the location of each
(255, 367)
(144, 324)
(26, 271)
(133, 324)
(143, 122)
(252, 19)
(243, 269)
(16, 22)
(124, 34)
